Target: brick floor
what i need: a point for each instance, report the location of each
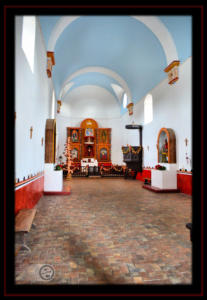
(109, 231)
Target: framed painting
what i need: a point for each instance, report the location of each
(103, 154)
(89, 132)
(74, 154)
(74, 135)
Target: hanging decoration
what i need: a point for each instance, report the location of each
(172, 70)
(68, 158)
(129, 148)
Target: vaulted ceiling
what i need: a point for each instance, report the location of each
(116, 53)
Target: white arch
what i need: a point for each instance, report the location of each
(102, 70)
(153, 23)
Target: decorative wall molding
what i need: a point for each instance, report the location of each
(30, 178)
(50, 63)
(172, 70)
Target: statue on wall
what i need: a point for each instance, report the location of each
(165, 151)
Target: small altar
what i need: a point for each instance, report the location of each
(91, 162)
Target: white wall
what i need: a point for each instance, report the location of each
(33, 96)
(172, 108)
(90, 101)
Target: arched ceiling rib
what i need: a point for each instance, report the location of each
(125, 53)
(101, 70)
(153, 23)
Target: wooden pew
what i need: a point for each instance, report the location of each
(23, 223)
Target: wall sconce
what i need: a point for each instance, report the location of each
(50, 63)
(59, 103)
(172, 70)
(130, 108)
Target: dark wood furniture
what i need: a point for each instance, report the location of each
(132, 155)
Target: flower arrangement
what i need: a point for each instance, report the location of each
(159, 167)
(58, 167)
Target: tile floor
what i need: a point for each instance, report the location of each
(109, 231)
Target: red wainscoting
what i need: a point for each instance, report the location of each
(28, 195)
(144, 174)
(184, 181)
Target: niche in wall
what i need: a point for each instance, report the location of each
(166, 146)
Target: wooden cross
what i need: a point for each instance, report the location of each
(186, 141)
(31, 130)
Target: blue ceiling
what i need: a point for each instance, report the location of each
(119, 43)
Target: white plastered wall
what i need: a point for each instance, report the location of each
(33, 100)
(172, 108)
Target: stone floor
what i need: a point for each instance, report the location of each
(108, 231)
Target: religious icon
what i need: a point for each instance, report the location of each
(103, 154)
(89, 151)
(165, 151)
(89, 132)
(103, 136)
(74, 153)
(74, 136)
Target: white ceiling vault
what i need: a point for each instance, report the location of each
(115, 53)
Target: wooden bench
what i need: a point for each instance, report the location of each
(23, 223)
(147, 180)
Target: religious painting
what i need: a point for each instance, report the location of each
(103, 154)
(103, 137)
(74, 153)
(74, 136)
(89, 132)
(89, 151)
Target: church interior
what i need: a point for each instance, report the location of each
(103, 158)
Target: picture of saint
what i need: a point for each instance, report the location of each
(74, 136)
(103, 154)
(103, 136)
(74, 153)
(89, 132)
(89, 151)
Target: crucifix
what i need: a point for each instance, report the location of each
(31, 130)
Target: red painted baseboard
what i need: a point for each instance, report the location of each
(157, 190)
(28, 195)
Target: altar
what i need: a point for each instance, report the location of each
(91, 162)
